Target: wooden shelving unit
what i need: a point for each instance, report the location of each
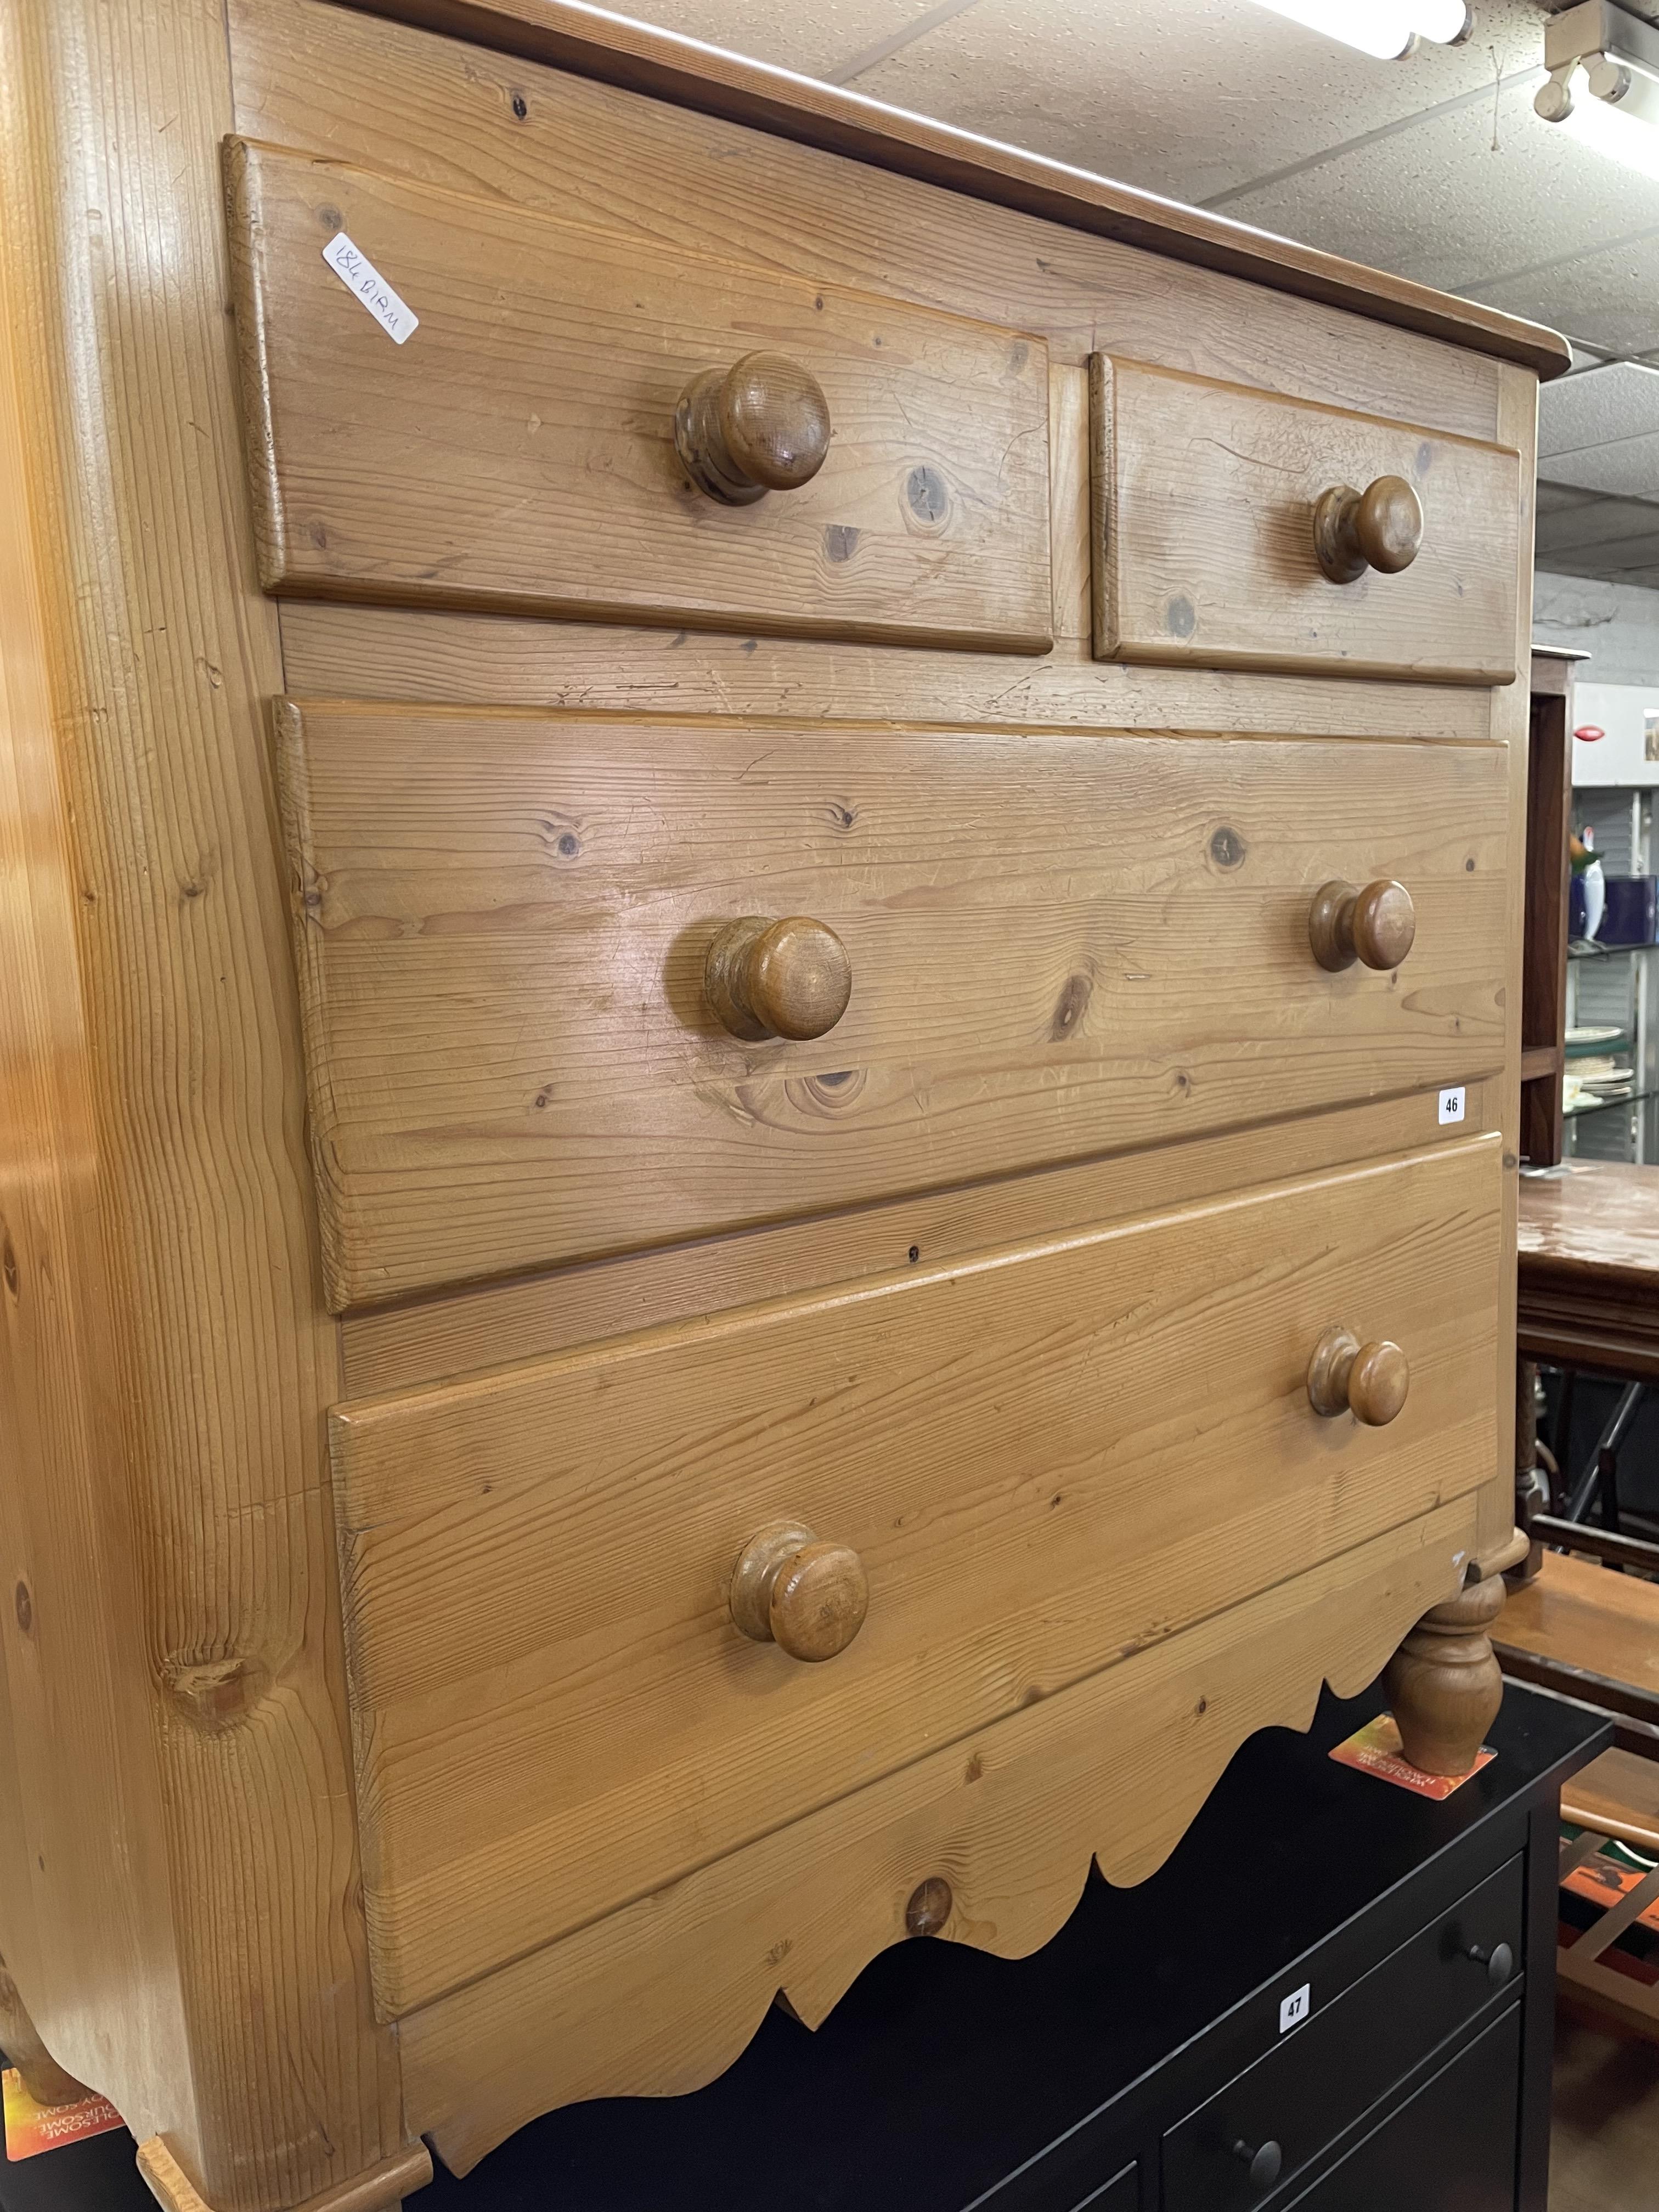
(1544, 971)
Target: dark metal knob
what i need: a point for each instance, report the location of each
(1266, 2162)
(1499, 1961)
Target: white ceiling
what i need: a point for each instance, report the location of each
(1435, 166)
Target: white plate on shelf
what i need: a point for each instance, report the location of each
(1597, 1033)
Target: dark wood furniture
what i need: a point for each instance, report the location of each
(1544, 972)
(1132, 2064)
(1589, 1289)
(1589, 1299)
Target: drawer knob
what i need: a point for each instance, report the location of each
(808, 1598)
(1499, 1961)
(1380, 528)
(1377, 925)
(787, 979)
(1369, 1381)
(762, 425)
(1265, 2161)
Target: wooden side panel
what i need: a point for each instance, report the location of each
(657, 1999)
(269, 2075)
(517, 448)
(85, 1911)
(1060, 945)
(1203, 504)
(1045, 1459)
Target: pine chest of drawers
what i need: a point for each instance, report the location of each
(762, 956)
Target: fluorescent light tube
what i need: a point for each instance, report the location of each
(1618, 133)
(1445, 21)
(1380, 27)
(1384, 28)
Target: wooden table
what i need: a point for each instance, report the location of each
(1589, 1268)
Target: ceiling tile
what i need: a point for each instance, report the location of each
(1611, 298)
(813, 41)
(1438, 204)
(1597, 407)
(1189, 97)
(1627, 467)
(1615, 532)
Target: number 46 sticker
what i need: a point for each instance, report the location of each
(1451, 1105)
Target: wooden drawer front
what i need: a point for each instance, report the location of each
(1043, 1459)
(1204, 499)
(1060, 945)
(517, 450)
(1348, 2054)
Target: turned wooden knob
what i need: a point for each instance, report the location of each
(1377, 925)
(762, 425)
(789, 979)
(808, 1598)
(1444, 1685)
(1369, 1381)
(1380, 528)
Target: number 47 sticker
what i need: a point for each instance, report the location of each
(1451, 1105)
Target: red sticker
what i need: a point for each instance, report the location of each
(1589, 734)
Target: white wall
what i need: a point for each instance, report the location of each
(1618, 624)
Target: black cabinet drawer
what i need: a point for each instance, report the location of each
(1248, 2140)
(1449, 2149)
(1121, 2194)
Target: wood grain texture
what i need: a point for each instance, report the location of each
(631, 55)
(659, 1998)
(444, 111)
(518, 449)
(1203, 511)
(381, 2188)
(1588, 1617)
(555, 1711)
(85, 1921)
(389, 1348)
(456, 660)
(250, 2040)
(1617, 1795)
(1062, 945)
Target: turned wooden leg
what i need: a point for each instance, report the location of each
(1444, 1685)
(42, 2077)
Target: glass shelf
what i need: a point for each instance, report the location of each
(1580, 948)
(1606, 1105)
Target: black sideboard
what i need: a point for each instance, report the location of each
(1336, 1995)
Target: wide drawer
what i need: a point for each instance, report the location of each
(1043, 1460)
(1204, 502)
(517, 448)
(1348, 2054)
(1060, 945)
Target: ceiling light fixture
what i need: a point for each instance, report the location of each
(1386, 28)
(1603, 84)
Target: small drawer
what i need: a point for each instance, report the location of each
(520, 448)
(1224, 536)
(1259, 2131)
(616, 1614)
(1051, 944)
